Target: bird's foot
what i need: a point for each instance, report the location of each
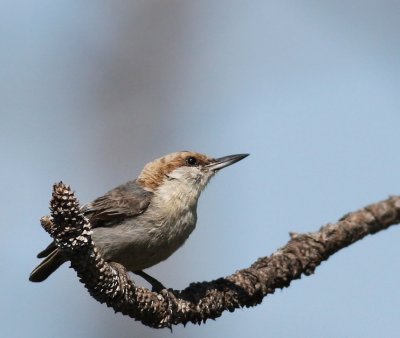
(122, 272)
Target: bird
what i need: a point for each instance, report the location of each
(144, 221)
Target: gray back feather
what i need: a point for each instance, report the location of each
(125, 201)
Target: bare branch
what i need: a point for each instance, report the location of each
(109, 283)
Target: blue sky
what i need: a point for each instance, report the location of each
(90, 92)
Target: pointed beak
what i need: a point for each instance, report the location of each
(225, 161)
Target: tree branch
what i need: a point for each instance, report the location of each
(109, 282)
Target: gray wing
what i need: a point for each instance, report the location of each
(125, 201)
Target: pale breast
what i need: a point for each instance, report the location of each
(150, 238)
(143, 249)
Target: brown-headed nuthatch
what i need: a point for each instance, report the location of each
(142, 222)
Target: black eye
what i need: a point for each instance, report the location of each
(192, 161)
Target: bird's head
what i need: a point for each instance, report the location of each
(186, 168)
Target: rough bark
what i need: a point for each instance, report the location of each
(109, 282)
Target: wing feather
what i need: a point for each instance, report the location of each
(125, 201)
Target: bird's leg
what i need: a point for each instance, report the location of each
(155, 284)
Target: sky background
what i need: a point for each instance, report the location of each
(91, 91)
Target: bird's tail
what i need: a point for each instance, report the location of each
(50, 264)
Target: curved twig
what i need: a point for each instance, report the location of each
(109, 282)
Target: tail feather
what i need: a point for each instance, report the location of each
(49, 249)
(50, 264)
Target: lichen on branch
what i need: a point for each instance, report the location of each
(110, 283)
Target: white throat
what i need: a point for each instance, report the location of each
(176, 198)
